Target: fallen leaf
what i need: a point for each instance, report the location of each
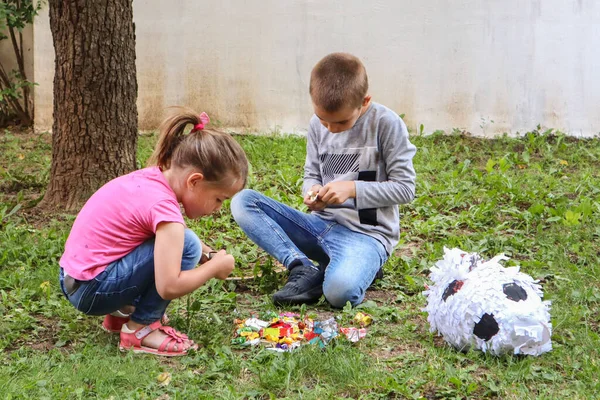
(164, 378)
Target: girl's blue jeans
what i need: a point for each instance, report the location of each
(351, 259)
(130, 281)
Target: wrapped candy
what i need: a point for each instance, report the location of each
(363, 319)
(481, 304)
(256, 323)
(326, 330)
(354, 334)
(286, 331)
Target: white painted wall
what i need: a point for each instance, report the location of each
(445, 64)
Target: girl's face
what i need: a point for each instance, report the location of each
(201, 198)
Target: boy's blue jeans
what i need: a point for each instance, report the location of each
(351, 259)
(130, 281)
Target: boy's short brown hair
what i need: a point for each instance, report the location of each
(338, 80)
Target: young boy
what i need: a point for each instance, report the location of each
(358, 169)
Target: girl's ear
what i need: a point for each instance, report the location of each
(194, 178)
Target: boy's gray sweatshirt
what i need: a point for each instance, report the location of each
(377, 155)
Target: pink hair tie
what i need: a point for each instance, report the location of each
(204, 120)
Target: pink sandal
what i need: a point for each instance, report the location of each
(113, 323)
(132, 340)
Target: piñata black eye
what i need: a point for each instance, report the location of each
(514, 292)
(486, 328)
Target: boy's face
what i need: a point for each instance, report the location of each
(342, 119)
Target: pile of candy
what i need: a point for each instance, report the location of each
(287, 331)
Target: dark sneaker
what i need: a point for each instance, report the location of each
(378, 275)
(304, 286)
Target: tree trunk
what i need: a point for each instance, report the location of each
(94, 135)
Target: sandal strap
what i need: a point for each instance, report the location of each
(148, 329)
(173, 338)
(169, 344)
(173, 333)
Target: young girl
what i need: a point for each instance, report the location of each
(129, 253)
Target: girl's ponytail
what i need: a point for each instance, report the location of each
(171, 135)
(215, 153)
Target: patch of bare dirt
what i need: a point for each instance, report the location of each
(40, 218)
(408, 250)
(380, 296)
(44, 339)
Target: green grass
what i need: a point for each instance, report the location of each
(536, 198)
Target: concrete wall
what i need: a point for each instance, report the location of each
(43, 70)
(445, 64)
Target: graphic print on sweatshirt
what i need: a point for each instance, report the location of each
(338, 164)
(355, 164)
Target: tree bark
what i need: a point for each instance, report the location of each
(94, 134)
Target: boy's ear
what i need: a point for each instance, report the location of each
(194, 178)
(366, 100)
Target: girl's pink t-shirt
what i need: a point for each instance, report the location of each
(119, 217)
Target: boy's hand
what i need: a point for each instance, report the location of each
(337, 192)
(312, 199)
(222, 264)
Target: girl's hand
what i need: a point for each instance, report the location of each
(206, 256)
(222, 264)
(207, 253)
(171, 281)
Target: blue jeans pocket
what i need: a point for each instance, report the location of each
(102, 303)
(93, 299)
(83, 295)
